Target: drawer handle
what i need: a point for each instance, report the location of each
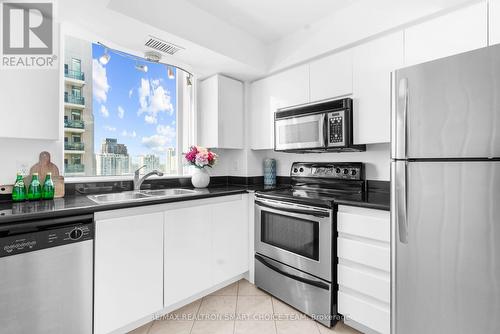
(317, 284)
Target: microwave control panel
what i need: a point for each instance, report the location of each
(336, 128)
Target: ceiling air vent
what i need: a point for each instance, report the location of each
(158, 44)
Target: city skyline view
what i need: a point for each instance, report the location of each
(136, 108)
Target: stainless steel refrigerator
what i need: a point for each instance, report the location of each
(445, 214)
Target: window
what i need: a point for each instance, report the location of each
(76, 115)
(126, 113)
(76, 65)
(76, 91)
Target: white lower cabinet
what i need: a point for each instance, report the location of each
(154, 257)
(363, 272)
(128, 282)
(188, 251)
(230, 239)
(206, 243)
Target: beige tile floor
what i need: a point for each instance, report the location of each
(239, 308)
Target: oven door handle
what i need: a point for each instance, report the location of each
(289, 209)
(317, 284)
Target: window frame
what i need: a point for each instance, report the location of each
(185, 127)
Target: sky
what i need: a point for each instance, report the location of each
(137, 108)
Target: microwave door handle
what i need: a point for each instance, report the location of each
(317, 284)
(287, 209)
(326, 135)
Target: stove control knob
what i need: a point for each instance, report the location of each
(295, 170)
(353, 172)
(301, 169)
(75, 234)
(346, 171)
(337, 170)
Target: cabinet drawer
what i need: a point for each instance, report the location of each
(375, 227)
(376, 286)
(376, 256)
(364, 312)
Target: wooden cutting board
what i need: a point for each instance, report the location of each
(44, 166)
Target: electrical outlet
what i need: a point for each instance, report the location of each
(22, 167)
(5, 189)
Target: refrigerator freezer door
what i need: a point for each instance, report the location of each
(447, 276)
(450, 108)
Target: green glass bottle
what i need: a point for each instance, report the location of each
(35, 188)
(48, 187)
(19, 190)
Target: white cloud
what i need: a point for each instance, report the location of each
(166, 130)
(130, 92)
(104, 111)
(109, 128)
(99, 81)
(121, 112)
(150, 119)
(164, 137)
(131, 134)
(153, 99)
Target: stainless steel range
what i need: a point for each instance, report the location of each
(295, 236)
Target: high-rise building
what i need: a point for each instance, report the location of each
(78, 116)
(151, 162)
(113, 159)
(170, 161)
(111, 145)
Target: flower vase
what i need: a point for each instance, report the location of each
(200, 178)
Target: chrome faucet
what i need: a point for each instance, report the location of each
(139, 180)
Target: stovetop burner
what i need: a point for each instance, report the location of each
(322, 184)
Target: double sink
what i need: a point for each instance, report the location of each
(142, 195)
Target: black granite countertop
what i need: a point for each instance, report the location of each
(75, 204)
(79, 204)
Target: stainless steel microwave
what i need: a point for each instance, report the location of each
(317, 127)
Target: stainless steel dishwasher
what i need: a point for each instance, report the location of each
(46, 276)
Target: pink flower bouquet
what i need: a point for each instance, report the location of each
(200, 157)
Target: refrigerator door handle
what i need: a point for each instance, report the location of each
(399, 122)
(401, 197)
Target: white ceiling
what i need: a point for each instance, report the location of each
(270, 20)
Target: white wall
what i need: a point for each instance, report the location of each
(18, 152)
(376, 160)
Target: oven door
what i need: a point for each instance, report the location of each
(302, 132)
(296, 235)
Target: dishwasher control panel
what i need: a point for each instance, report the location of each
(19, 243)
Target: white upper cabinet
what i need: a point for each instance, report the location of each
(459, 31)
(289, 88)
(373, 63)
(285, 89)
(261, 116)
(331, 76)
(128, 268)
(220, 113)
(30, 104)
(494, 20)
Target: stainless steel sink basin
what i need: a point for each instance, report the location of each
(170, 192)
(119, 197)
(142, 195)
